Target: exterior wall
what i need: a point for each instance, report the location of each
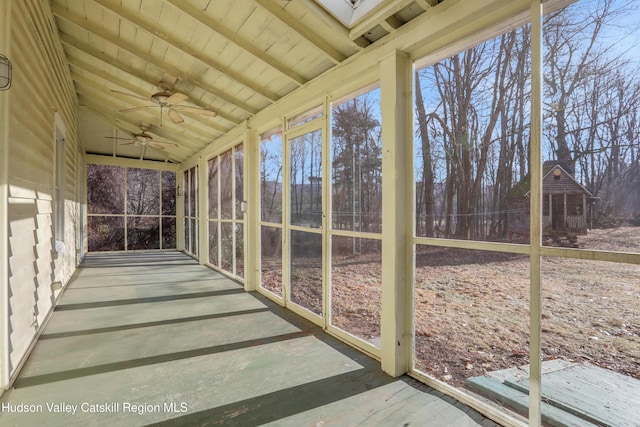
(518, 218)
(564, 184)
(42, 104)
(5, 31)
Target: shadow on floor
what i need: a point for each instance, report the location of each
(175, 349)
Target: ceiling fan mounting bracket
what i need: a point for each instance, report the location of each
(161, 97)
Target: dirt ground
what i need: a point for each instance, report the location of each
(472, 307)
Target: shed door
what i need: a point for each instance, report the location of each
(557, 212)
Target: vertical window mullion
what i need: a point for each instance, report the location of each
(160, 212)
(233, 210)
(219, 211)
(535, 328)
(126, 213)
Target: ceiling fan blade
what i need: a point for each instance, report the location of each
(122, 139)
(128, 110)
(175, 116)
(128, 143)
(171, 144)
(176, 98)
(130, 94)
(161, 145)
(196, 110)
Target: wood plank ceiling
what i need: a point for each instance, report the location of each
(225, 59)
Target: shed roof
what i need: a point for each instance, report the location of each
(523, 187)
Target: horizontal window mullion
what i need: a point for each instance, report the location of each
(271, 224)
(306, 229)
(312, 126)
(473, 244)
(364, 234)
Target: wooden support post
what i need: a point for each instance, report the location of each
(252, 214)
(180, 197)
(286, 208)
(203, 211)
(535, 296)
(397, 194)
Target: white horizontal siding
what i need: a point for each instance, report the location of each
(44, 87)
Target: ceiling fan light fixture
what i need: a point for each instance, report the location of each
(143, 137)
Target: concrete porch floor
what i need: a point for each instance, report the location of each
(155, 338)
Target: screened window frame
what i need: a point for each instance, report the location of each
(237, 216)
(125, 215)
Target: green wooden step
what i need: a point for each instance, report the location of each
(519, 402)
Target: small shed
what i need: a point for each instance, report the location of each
(565, 204)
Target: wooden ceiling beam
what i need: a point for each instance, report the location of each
(136, 90)
(315, 39)
(426, 4)
(379, 16)
(177, 155)
(335, 25)
(157, 63)
(95, 92)
(99, 74)
(390, 24)
(88, 50)
(134, 126)
(209, 62)
(218, 27)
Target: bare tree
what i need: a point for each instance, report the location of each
(592, 96)
(425, 205)
(356, 166)
(271, 182)
(473, 111)
(471, 91)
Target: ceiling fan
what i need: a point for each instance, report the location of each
(169, 101)
(143, 139)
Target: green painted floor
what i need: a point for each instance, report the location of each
(156, 339)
